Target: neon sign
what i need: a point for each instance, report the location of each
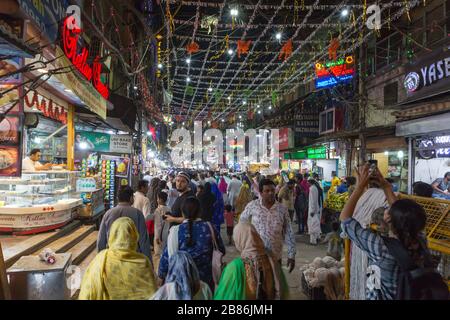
(334, 72)
(70, 36)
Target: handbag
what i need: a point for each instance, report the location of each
(217, 258)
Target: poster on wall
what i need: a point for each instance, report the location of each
(11, 147)
(122, 164)
(10, 98)
(8, 67)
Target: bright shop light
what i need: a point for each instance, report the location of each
(400, 154)
(160, 66)
(234, 12)
(188, 60)
(230, 52)
(83, 145)
(210, 89)
(278, 36)
(344, 13)
(188, 79)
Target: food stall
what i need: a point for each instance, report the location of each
(37, 201)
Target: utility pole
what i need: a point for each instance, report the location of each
(362, 99)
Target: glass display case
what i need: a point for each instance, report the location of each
(38, 201)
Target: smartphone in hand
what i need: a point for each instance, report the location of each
(373, 166)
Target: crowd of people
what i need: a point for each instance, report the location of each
(163, 240)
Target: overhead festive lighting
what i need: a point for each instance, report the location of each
(278, 36)
(258, 106)
(230, 52)
(244, 102)
(188, 60)
(270, 108)
(259, 111)
(344, 13)
(160, 66)
(210, 89)
(209, 122)
(234, 12)
(135, 87)
(223, 120)
(240, 117)
(188, 79)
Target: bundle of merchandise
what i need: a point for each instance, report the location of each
(336, 201)
(323, 279)
(108, 170)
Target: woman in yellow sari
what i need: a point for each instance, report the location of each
(119, 272)
(243, 198)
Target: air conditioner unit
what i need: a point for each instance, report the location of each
(330, 121)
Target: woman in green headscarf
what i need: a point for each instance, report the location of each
(253, 276)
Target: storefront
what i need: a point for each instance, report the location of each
(391, 154)
(424, 116)
(315, 159)
(429, 147)
(43, 116)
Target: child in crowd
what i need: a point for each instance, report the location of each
(229, 219)
(161, 228)
(335, 243)
(377, 222)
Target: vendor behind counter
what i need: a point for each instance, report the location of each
(31, 163)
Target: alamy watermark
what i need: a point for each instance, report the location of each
(262, 145)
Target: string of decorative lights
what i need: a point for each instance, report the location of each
(274, 7)
(188, 60)
(336, 9)
(268, 25)
(305, 19)
(204, 60)
(396, 16)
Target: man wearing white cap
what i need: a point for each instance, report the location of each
(182, 182)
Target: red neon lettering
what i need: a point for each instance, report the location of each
(70, 40)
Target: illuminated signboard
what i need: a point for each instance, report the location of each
(70, 36)
(316, 152)
(439, 147)
(299, 155)
(334, 72)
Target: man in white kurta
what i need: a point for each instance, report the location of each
(314, 215)
(233, 190)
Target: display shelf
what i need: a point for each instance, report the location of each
(30, 182)
(26, 194)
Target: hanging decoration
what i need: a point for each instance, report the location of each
(189, 91)
(47, 107)
(332, 50)
(243, 47)
(192, 47)
(178, 118)
(286, 50)
(208, 22)
(274, 98)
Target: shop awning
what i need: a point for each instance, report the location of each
(429, 125)
(122, 117)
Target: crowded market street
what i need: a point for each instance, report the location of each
(222, 151)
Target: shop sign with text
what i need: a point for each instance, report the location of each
(46, 14)
(428, 76)
(79, 57)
